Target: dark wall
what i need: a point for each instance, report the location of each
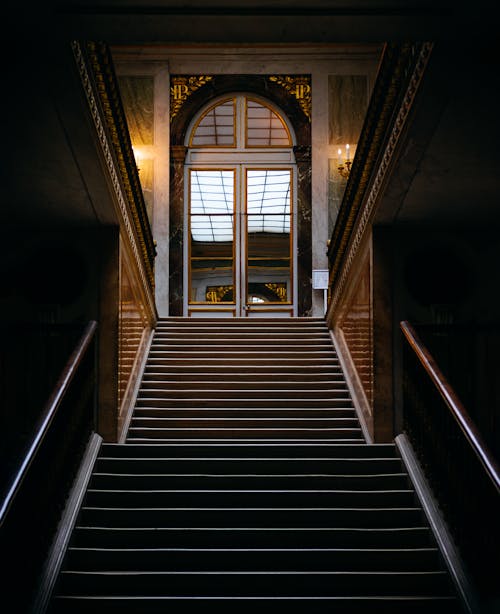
(51, 285)
(49, 276)
(446, 286)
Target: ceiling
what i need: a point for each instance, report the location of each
(447, 170)
(448, 165)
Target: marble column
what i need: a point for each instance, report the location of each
(176, 266)
(304, 245)
(162, 190)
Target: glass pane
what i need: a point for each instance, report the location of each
(211, 222)
(268, 191)
(269, 223)
(268, 236)
(268, 278)
(267, 244)
(264, 127)
(211, 260)
(211, 192)
(211, 280)
(207, 229)
(268, 266)
(216, 127)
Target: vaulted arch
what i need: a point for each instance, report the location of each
(196, 107)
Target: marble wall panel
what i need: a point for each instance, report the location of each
(336, 187)
(132, 326)
(146, 176)
(304, 238)
(138, 102)
(347, 104)
(357, 329)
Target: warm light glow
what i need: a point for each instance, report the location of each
(138, 154)
(344, 166)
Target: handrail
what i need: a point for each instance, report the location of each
(49, 413)
(454, 404)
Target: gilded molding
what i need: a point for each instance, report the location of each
(358, 204)
(181, 87)
(119, 175)
(115, 122)
(298, 86)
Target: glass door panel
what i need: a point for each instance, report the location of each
(211, 236)
(240, 248)
(268, 237)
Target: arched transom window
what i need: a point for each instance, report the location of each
(218, 125)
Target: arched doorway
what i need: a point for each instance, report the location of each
(240, 202)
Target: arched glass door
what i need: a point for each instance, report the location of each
(240, 199)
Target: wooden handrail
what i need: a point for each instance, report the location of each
(48, 415)
(454, 404)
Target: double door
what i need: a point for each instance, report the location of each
(240, 241)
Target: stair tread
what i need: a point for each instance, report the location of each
(266, 550)
(253, 573)
(246, 476)
(242, 475)
(244, 490)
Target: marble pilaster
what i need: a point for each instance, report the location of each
(304, 240)
(176, 270)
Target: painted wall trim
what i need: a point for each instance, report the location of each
(134, 384)
(354, 384)
(456, 567)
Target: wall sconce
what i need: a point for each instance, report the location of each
(344, 166)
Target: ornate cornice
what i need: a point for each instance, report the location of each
(100, 87)
(181, 87)
(400, 74)
(298, 86)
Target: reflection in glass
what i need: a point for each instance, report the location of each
(216, 127)
(211, 228)
(211, 192)
(211, 221)
(268, 236)
(264, 127)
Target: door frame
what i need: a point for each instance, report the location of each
(271, 89)
(241, 307)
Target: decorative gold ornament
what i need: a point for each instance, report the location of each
(279, 289)
(181, 87)
(101, 88)
(298, 86)
(216, 294)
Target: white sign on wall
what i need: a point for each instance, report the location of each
(320, 279)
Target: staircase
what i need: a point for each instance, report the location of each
(246, 380)
(246, 485)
